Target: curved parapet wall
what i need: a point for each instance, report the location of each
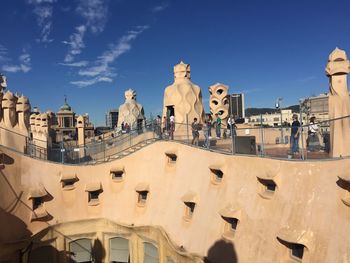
(209, 204)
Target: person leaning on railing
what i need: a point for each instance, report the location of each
(313, 140)
(294, 135)
(195, 131)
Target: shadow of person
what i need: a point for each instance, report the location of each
(98, 251)
(221, 252)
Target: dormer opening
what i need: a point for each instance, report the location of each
(117, 174)
(266, 187)
(216, 174)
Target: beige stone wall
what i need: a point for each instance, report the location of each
(307, 201)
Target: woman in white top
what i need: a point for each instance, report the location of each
(313, 140)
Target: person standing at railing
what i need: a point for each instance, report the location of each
(218, 126)
(209, 124)
(206, 134)
(232, 125)
(313, 140)
(159, 126)
(195, 131)
(294, 135)
(172, 127)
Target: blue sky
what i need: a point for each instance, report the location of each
(93, 50)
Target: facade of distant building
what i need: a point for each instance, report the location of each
(317, 106)
(112, 118)
(274, 119)
(64, 122)
(236, 105)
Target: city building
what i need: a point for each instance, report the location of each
(274, 119)
(112, 118)
(236, 105)
(316, 106)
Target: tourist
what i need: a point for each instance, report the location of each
(218, 126)
(232, 125)
(209, 124)
(172, 127)
(159, 126)
(206, 134)
(126, 127)
(195, 131)
(313, 140)
(294, 135)
(165, 124)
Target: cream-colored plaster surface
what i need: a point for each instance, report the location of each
(308, 198)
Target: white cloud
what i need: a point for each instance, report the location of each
(40, 1)
(95, 13)
(77, 64)
(76, 43)
(43, 10)
(89, 82)
(160, 7)
(101, 70)
(3, 53)
(24, 64)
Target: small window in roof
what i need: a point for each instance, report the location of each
(344, 184)
(216, 175)
(68, 181)
(142, 197)
(172, 157)
(68, 184)
(189, 209)
(37, 202)
(230, 227)
(117, 174)
(266, 188)
(297, 251)
(93, 196)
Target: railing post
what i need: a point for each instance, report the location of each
(104, 147)
(62, 152)
(262, 136)
(302, 137)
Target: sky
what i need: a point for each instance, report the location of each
(93, 50)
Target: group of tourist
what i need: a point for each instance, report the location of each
(312, 141)
(125, 127)
(207, 126)
(167, 124)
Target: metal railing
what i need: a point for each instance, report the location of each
(242, 140)
(260, 140)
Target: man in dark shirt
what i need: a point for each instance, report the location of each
(294, 135)
(195, 131)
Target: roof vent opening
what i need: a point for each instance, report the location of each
(171, 157)
(117, 174)
(266, 188)
(217, 175)
(344, 185)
